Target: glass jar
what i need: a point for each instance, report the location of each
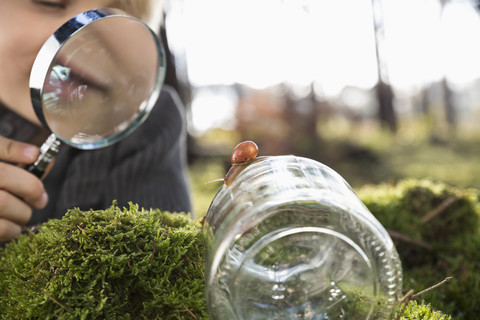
(289, 239)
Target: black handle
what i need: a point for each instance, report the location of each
(47, 151)
(35, 170)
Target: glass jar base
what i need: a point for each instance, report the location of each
(304, 273)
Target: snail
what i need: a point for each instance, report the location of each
(244, 153)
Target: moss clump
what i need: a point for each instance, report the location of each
(415, 311)
(120, 264)
(109, 264)
(436, 229)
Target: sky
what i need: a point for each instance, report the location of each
(261, 43)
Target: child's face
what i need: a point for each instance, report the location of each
(24, 26)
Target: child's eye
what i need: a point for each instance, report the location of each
(51, 3)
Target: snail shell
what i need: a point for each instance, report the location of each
(244, 152)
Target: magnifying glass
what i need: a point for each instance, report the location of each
(94, 81)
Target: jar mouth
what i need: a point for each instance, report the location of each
(304, 270)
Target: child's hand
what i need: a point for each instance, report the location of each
(20, 191)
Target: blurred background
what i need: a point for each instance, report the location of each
(377, 90)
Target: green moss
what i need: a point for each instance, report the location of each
(147, 264)
(448, 244)
(111, 264)
(415, 311)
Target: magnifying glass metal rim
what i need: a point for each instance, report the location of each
(39, 76)
(48, 52)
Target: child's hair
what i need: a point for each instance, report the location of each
(150, 11)
(138, 8)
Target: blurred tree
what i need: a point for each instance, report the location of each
(450, 112)
(441, 92)
(383, 89)
(386, 110)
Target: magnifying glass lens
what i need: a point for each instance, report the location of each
(102, 81)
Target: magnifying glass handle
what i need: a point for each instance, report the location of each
(48, 150)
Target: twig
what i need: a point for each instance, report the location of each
(439, 209)
(446, 280)
(408, 296)
(403, 237)
(53, 299)
(405, 300)
(191, 313)
(84, 230)
(153, 251)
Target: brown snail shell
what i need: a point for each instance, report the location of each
(242, 154)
